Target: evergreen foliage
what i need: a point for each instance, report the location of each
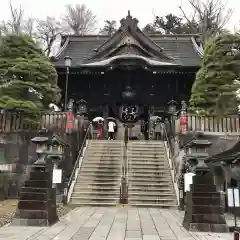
(28, 79)
(214, 90)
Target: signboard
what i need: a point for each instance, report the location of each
(233, 197)
(188, 181)
(57, 176)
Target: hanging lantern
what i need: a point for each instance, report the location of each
(82, 106)
(128, 93)
(172, 107)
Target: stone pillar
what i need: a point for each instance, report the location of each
(204, 210)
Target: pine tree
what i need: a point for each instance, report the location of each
(28, 79)
(214, 90)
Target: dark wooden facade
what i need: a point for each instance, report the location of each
(157, 68)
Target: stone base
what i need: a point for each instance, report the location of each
(59, 198)
(206, 227)
(32, 222)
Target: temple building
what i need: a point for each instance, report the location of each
(128, 67)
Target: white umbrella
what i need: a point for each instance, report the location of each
(155, 118)
(97, 119)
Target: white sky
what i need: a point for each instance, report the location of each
(110, 9)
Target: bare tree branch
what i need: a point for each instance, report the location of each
(211, 17)
(29, 26)
(47, 32)
(79, 19)
(15, 24)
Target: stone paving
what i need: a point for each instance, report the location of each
(117, 223)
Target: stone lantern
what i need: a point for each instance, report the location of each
(37, 200)
(204, 211)
(41, 147)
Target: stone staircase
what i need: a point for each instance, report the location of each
(149, 177)
(98, 181)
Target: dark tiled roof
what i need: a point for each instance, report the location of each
(80, 49)
(179, 47)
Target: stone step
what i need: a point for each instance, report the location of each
(149, 183)
(100, 169)
(105, 148)
(101, 155)
(145, 143)
(146, 158)
(102, 158)
(148, 167)
(96, 188)
(151, 189)
(162, 173)
(101, 199)
(106, 143)
(97, 180)
(151, 199)
(99, 174)
(145, 151)
(95, 204)
(143, 171)
(145, 154)
(150, 177)
(96, 193)
(146, 146)
(156, 195)
(154, 205)
(101, 163)
(79, 186)
(154, 161)
(103, 176)
(143, 160)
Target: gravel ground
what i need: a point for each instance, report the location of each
(8, 208)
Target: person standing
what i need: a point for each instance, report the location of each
(158, 129)
(111, 129)
(100, 130)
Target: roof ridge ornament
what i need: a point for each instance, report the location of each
(129, 21)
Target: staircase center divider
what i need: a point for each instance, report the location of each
(69, 187)
(124, 178)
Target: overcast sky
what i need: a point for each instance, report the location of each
(110, 9)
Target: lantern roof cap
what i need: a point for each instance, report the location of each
(200, 143)
(57, 139)
(40, 140)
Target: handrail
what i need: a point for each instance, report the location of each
(72, 177)
(171, 152)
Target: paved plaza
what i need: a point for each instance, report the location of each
(117, 223)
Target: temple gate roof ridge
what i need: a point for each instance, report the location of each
(183, 49)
